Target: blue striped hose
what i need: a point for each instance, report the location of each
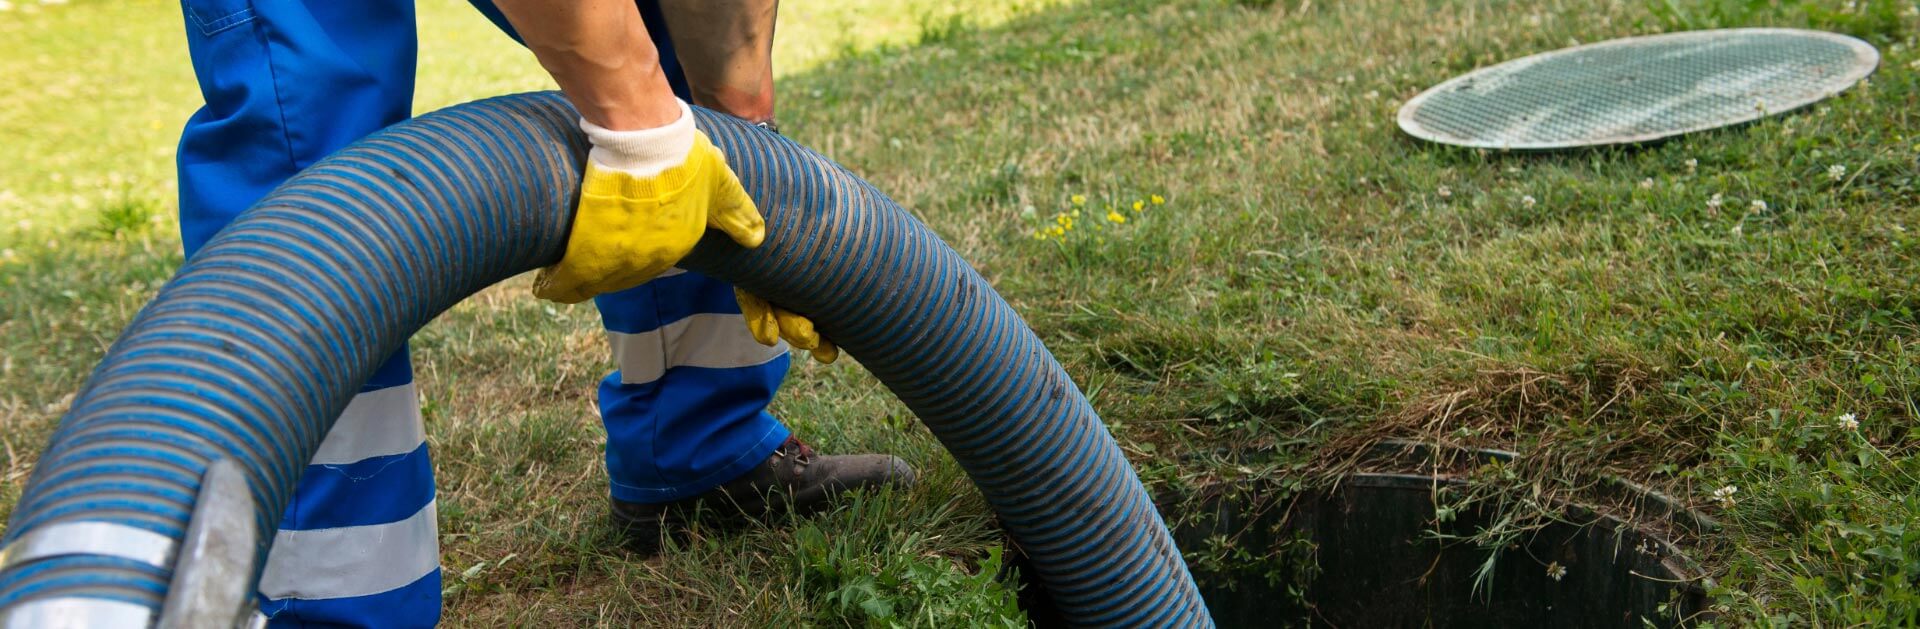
(256, 346)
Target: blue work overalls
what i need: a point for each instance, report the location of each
(287, 82)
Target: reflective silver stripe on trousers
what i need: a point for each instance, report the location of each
(90, 538)
(352, 560)
(376, 423)
(76, 613)
(715, 341)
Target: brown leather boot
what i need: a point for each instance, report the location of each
(792, 480)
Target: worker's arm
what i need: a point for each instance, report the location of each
(599, 53)
(726, 49)
(654, 183)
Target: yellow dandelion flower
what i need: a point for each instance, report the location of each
(1116, 217)
(1139, 204)
(1079, 199)
(1158, 200)
(1074, 214)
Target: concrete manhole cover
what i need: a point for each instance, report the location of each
(1638, 89)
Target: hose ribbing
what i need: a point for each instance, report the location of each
(257, 345)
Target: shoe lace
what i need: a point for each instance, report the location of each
(796, 448)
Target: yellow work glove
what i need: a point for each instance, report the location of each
(771, 323)
(647, 198)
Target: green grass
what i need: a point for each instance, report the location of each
(1312, 282)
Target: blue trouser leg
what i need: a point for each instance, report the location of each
(687, 409)
(285, 83)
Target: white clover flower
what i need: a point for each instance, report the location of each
(1725, 495)
(1556, 571)
(1445, 192)
(1527, 201)
(1837, 172)
(1693, 165)
(1758, 206)
(1646, 184)
(1847, 422)
(1714, 203)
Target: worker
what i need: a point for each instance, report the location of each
(286, 82)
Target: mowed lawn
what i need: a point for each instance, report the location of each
(1261, 275)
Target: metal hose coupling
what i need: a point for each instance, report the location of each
(212, 567)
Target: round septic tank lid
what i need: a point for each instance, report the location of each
(1638, 89)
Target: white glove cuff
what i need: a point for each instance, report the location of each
(642, 153)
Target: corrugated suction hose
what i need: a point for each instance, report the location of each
(255, 347)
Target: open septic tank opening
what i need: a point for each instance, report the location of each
(1387, 548)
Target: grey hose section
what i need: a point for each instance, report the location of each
(253, 350)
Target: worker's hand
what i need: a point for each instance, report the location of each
(771, 323)
(647, 199)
